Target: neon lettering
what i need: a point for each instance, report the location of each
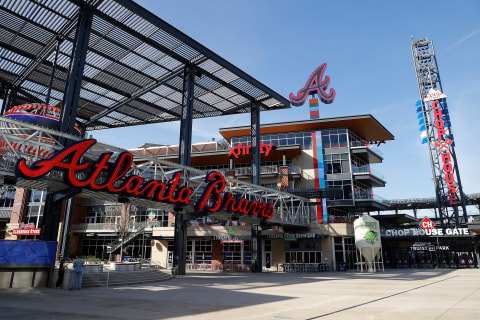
(68, 160)
(316, 83)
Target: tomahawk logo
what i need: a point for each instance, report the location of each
(316, 84)
(426, 224)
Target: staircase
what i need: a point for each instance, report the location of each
(114, 246)
(124, 278)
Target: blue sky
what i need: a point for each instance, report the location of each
(366, 45)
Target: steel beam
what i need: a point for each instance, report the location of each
(138, 94)
(255, 141)
(185, 145)
(257, 262)
(67, 226)
(47, 100)
(68, 114)
(185, 150)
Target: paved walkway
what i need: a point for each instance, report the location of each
(395, 294)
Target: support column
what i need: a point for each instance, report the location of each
(68, 117)
(67, 226)
(255, 141)
(51, 218)
(18, 212)
(185, 149)
(256, 179)
(68, 113)
(6, 99)
(284, 178)
(180, 243)
(257, 248)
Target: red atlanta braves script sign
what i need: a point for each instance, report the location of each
(68, 161)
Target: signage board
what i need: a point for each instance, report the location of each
(27, 229)
(316, 84)
(416, 232)
(241, 149)
(69, 160)
(434, 95)
(232, 241)
(426, 224)
(26, 232)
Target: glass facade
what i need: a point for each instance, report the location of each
(335, 138)
(336, 163)
(7, 195)
(303, 138)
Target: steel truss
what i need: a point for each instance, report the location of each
(428, 77)
(41, 142)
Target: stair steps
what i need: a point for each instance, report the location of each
(119, 278)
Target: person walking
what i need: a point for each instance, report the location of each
(77, 273)
(61, 273)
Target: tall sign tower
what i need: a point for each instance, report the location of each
(437, 134)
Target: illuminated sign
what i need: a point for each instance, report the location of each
(27, 230)
(415, 232)
(316, 84)
(241, 149)
(434, 95)
(68, 160)
(426, 224)
(445, 152)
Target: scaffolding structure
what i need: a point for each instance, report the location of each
(439, 136)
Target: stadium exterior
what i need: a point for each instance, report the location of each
(335, 156)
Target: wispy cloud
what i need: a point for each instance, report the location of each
(463, 39)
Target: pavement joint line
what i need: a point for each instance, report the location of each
(446, 311)
(379, 299)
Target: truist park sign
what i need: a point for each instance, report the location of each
(69, 160)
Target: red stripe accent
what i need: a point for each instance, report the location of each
(314, 113)
(317, 181)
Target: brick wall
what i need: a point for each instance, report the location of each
(217, 252)
(284, 177)
(18, 212)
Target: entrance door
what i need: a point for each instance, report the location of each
(268, 260)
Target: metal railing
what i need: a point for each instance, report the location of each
(265, 170)
(368, 195)
(364, 143)
(288, 208)
(367, 169)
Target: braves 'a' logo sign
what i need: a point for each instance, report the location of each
(316, 83)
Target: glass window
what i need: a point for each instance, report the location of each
(37, 196)
(343, 140)
(325, 140)
(334, 140)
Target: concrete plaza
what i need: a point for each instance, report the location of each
(395, 294)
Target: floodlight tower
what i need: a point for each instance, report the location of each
(438, 135)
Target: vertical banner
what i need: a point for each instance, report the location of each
(319, 174)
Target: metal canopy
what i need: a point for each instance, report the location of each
(135, 63)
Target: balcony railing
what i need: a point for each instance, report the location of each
(107, 227)
(368, 195)
(267, 170)
(367, 169)
(366, 144)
